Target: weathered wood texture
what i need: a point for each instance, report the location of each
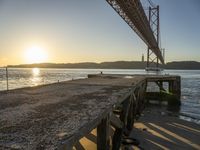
(103, 134)
(132, 106)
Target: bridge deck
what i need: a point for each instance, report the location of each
(134, 15)
(47, 116)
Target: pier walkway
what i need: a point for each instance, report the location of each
(57, 116)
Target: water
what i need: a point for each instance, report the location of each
(190, 87)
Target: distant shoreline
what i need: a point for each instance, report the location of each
(89, 68)
(178, 65)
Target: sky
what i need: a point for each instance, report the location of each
(63, 31)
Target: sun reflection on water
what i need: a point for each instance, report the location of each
(36, 76)
(36, 71)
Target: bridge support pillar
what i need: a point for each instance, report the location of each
(152, 59)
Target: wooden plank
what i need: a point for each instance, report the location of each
(103, 134)
(131, 113)
(117, 137)
(115, 121)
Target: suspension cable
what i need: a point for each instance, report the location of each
(151, 3)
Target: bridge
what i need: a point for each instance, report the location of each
(134, 15)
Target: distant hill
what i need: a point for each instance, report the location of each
(182, 65)
(185, 65)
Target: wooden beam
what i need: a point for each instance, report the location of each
(103, 134)
(117, 137)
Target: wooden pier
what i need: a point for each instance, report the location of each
(57, 116)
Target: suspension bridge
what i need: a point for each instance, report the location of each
(147, 28)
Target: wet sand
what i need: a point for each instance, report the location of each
(161, 129)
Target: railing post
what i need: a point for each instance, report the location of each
(7, 78)
(103, 134)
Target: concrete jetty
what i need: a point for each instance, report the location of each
(57, 116)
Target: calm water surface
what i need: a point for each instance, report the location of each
(32, 77)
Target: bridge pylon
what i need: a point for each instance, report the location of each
(154, 21)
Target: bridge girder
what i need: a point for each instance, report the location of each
(133, 14)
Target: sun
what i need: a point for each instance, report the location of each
(35, 54)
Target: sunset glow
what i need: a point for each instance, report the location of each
(36, 71)
(35, 54)
(91, 31)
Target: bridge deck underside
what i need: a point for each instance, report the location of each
(133, 14)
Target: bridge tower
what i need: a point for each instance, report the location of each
(154, 21)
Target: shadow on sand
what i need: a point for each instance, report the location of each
(157, 129)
